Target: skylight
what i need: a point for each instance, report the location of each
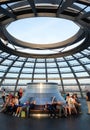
(43, 30)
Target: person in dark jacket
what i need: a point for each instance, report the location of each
(88, 100)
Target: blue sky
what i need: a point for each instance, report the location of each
(43, 30)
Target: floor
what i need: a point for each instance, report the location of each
(80, 122)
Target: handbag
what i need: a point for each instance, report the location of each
(23, 114)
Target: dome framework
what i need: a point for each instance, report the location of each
(70, 69)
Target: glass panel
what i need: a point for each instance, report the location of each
(70, 75)
(39, 76)
(88, 67)
(3, 68)
(39, 71)
(69, 57)
(7, 62)
(69, 82)
(81, 74)
(39, 80)
(28, 64)
(41, 60)
(12, 75)
(52, 70)
(54, 76)
(27, 70)
(72, 88)
(12, 57)
(23, 81)
(9, 81)
(62, 64)
(14, 69)
(17, 63)
(87, 9)
(51, 65)
(26, 76)
(65, 70)
(41, 65)
(78, 68)
(1, 74)
(0, 59)
(80, 5)
(84, 81)
(73, 62)
(78, 55)
(85, 60)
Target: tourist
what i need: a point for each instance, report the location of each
(3, 95)
(20, 93)
(88, 100)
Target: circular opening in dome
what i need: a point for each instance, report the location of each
(42, 30)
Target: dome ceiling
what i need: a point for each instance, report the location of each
(70, 68)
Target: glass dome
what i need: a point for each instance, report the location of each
(69, 68)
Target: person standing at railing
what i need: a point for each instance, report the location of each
(20, 93)
(88, 100)
(3, 95)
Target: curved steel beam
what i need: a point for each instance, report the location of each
(32, 4)
(7, 13)
(63, 5)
